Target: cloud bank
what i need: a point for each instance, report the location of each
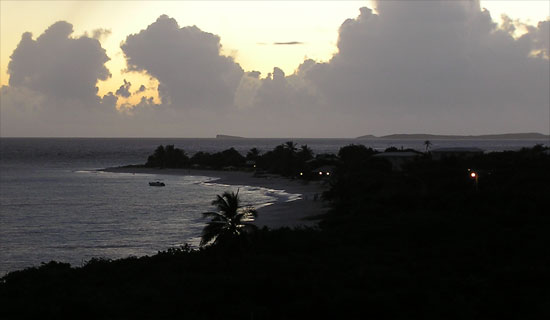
(436, 67)
(433, 66)
(417, 66)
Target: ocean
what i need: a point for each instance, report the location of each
(56, 205)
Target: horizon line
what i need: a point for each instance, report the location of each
(228, 137)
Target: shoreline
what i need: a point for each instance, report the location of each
(292, 214)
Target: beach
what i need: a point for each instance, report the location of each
(292, 214)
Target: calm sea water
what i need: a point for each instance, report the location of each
(55, 205)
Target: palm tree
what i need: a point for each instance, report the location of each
(305, 153)
(230, 221)
(290, 146)
(428, 144)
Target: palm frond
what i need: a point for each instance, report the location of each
(220, 203)
(211, 232)
(231, 219)
(215, 215)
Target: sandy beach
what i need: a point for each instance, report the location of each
(281, 214)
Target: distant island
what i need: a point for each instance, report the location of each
(505, 136)
(224, 136)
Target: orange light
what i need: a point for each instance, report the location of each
(473, 174)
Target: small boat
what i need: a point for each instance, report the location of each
(157, 184)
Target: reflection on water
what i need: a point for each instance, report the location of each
(73, 216)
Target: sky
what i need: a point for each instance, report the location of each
(273, 68)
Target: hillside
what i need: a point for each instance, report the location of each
(421, 136)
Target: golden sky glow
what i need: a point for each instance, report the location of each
(247, 29)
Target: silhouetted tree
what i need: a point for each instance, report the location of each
(167, 157)
(354, 156)
(253, 154)
(305, 153)
(282, 160)
(231, 157)
(157, 158)
(290, 146)
(201, 158)
(230, 221)
(428, 144)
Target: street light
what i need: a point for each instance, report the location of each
(474, 175)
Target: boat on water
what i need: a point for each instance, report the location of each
(156, 184)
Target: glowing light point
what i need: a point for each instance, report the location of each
(473, 174)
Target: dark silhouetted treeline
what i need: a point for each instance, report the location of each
(421, 243)
(286, 159)
(168, 157)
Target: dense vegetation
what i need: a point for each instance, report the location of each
(424, 242)
(285, 159)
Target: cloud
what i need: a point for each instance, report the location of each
(124, 90)
(187, 63)
(52, 85)
(417, 66)
(438, 67)
(287, 43)
(278, 105)
(100, 34)
(57, 65)
(540, 38)
(141, 89)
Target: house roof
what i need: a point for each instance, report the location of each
(405, 154)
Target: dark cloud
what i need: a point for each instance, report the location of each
(278, 92)
(277, 105)
(417, 66)
(57, 65)
(187, 63)
(124, 90)
(437, 66)
(540, 38)
(52, 86)
(254, 74)
(141, 89)
(287, 43)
